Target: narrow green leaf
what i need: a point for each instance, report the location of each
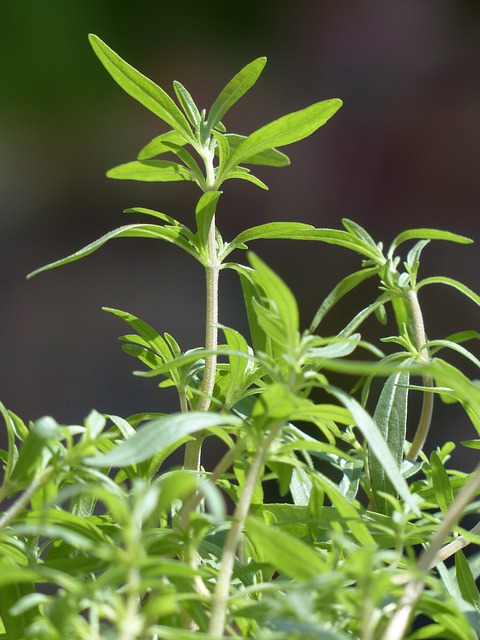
(347, 513)
(391, 419)
(187, 103)
(30, 453)
(465, 579)
(204, 213)
(441, 483)
(341, 289)
(222, 149)
(268, 158)
(174, 224)
(451, 283)
(189, 161)
(159, 434)
(234, 90)
(242, 173)
(427, 234)
(157, 146)
(270, 230)
(378, 446)
(141, 88)
(286, 130)
(283, 551)
(151, 171)
(277, 292)
(128, 231)
(359, 232)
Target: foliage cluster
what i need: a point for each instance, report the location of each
(101, 538)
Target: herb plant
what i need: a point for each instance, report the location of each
(101, 537)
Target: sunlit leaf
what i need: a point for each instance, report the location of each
(234, 90)
(141, 88)
(151, 171)
(158, 434)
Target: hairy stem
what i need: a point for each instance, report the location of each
(425, 419)
(222, 589)
(193, 449)
(429, 557)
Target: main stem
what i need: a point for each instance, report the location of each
(193, 448)
(427, 405)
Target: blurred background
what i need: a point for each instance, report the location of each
(403, 152)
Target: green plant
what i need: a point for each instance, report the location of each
(104, 539)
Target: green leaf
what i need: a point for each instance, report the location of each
(465, 579)
(279, 300)
(286, 130)
(128, 231)
(31, 451)
(441, 483)
(451, 283)
(391, 418)
(234, 90)
(378, 446)
(270, 230)
(204, 213)
(284, 551)
(151, 171)
(157, 146)
(269, 157)
(341, 289)
(359, 232)
(242, 173)
(348, 516)
(187, 103)
(159, 434)
(427, 234)
(141, 88)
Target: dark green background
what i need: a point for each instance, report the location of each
(403, 151)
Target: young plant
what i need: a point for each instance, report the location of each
(103, 539)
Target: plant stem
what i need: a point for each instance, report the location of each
(429, 557)
(222, 589)
(193, 448)
(15, 509)
(425, 419)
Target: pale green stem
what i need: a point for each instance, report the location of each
(425, 419)
(222, 589)
(17, 507)
(429, 557)
(193, 448)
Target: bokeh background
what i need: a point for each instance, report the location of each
(403, 151)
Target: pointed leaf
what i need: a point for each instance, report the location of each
(234, 90)
(275, 230)
(141, 88)
(341, 289)
(441, 483)
(391, 418)
(451, 283)
(188, 103)
(204, 213)
(157, 146)
(283, 551)
(159, 434)
(286, 130)
(151, 171)
(244, 174)
(378, 446)
(128, 231)
(277, 292)
(427, 234)
(269, 157)
(466, 580)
